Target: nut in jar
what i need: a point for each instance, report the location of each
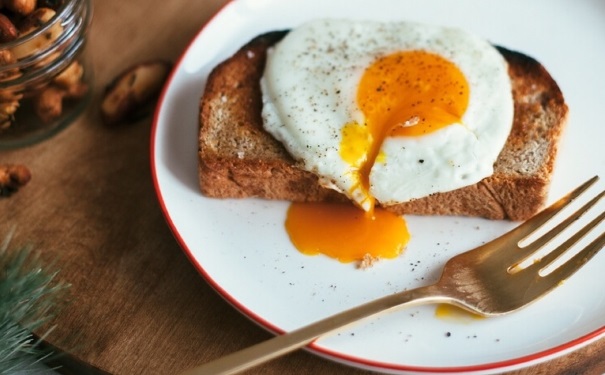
(45, 75)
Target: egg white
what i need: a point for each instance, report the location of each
(309, 89)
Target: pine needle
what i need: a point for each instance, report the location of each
(29, 298)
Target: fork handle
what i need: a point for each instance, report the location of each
(288, 342)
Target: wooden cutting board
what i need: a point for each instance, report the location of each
(137, 305)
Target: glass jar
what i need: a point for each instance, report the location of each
(45, 74)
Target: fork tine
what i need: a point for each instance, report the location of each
(567, 269)
(530, 226)
(548, 236)
(560, 250)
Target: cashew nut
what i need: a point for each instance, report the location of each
(71, 76)
(48, 104)
(31, 23)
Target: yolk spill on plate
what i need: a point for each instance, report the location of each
(409, 93)
(455, 314)
(345, 232)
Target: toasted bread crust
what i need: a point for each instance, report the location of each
(239, 159)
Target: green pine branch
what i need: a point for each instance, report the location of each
(29, 297)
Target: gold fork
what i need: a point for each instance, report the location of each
(487, 280)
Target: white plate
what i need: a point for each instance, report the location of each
(242, 250)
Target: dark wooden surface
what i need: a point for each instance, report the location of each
(137, 305)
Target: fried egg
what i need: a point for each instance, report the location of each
(388, 112)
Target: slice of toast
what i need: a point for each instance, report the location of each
(239, 159)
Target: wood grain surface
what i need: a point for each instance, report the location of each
(137, 305)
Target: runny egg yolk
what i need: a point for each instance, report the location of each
(345, 232)
(407, 93)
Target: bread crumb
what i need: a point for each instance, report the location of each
(367, 261)
(224, 99)
(241, 154)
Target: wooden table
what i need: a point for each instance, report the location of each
(139, 306)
